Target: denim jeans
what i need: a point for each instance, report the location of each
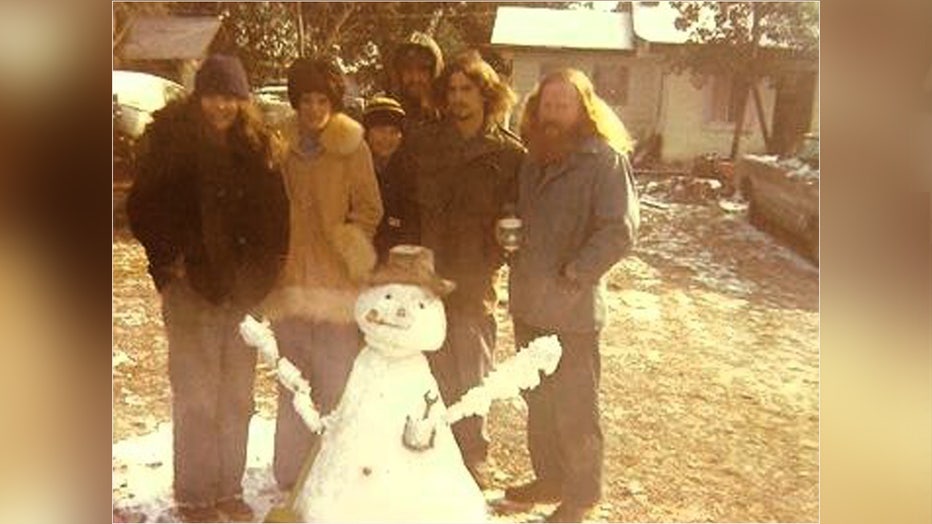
(212, 372)
(324, 352)
(563, 428)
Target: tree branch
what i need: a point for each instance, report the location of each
(338, 26)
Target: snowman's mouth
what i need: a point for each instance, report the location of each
(373, 317)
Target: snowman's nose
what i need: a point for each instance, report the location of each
(401, 313)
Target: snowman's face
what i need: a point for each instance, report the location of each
(401, 319)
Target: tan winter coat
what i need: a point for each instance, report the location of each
(335, 208)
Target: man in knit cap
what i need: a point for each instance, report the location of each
(384, 120)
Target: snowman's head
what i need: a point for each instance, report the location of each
(401, 319)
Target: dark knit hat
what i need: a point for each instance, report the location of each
(221, 75)
(382, 111)
(319, 74)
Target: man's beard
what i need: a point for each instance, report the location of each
(551, 143)
(415, 96)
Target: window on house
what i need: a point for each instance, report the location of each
(611, 83)
(725, 99)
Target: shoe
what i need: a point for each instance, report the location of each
(204, 513)
(533, 492)
(236, 509)
(568, 513)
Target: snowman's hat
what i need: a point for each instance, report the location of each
(410, 264)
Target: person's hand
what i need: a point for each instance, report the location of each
(176, 269)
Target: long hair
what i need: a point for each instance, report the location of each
(249, 132)
(498, 98)
(598, 118)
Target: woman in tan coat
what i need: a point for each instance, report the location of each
(335, 209)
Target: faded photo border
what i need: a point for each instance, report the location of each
(876, 396)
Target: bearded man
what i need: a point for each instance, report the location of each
(579, 208)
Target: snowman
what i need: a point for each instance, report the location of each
(387, 453)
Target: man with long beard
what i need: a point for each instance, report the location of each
(466, 168)
(579, 208)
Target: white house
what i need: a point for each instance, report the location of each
(624, 54)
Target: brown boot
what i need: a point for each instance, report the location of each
(198, 513)
(533, 492)
(567, 512)
(236, 509)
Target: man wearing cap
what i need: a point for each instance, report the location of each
(209, 206)
(383, 118)
(466, 168)
(416, 64)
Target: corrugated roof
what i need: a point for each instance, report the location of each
(565, 28)
(166, 37)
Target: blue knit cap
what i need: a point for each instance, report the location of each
(221, 75)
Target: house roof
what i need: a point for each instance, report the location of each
(562, 28)
(170, 37)
(652, 22)
(655, 23)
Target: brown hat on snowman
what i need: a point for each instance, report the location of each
(414, 265)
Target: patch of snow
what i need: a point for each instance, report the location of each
(120, 357)
(733, 206)
(766, 159)
(142, 472)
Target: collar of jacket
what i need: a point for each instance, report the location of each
(342, 136)
(489, 139)
(588, 146)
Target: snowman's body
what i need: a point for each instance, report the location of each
(364, 472)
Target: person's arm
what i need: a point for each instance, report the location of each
(365, 200)
(150, 209)
(353, 239)
(615, 217)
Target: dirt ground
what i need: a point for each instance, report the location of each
(710, 373)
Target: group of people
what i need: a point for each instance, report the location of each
(289, 223)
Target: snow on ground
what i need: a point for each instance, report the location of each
(142, 474)
(709, 383)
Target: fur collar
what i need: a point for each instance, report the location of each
(342, 136)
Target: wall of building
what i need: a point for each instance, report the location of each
(669, 103)
(686, 130)
(639, 112)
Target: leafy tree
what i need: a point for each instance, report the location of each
(746, 40)
(268, 36)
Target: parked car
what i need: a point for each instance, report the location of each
(273, 102)
(136, 96)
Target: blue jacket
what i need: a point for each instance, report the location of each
(582, 214)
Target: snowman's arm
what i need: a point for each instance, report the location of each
(521, 371)
(260, 336)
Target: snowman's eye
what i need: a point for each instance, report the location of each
(388, 296)
(421, 305)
